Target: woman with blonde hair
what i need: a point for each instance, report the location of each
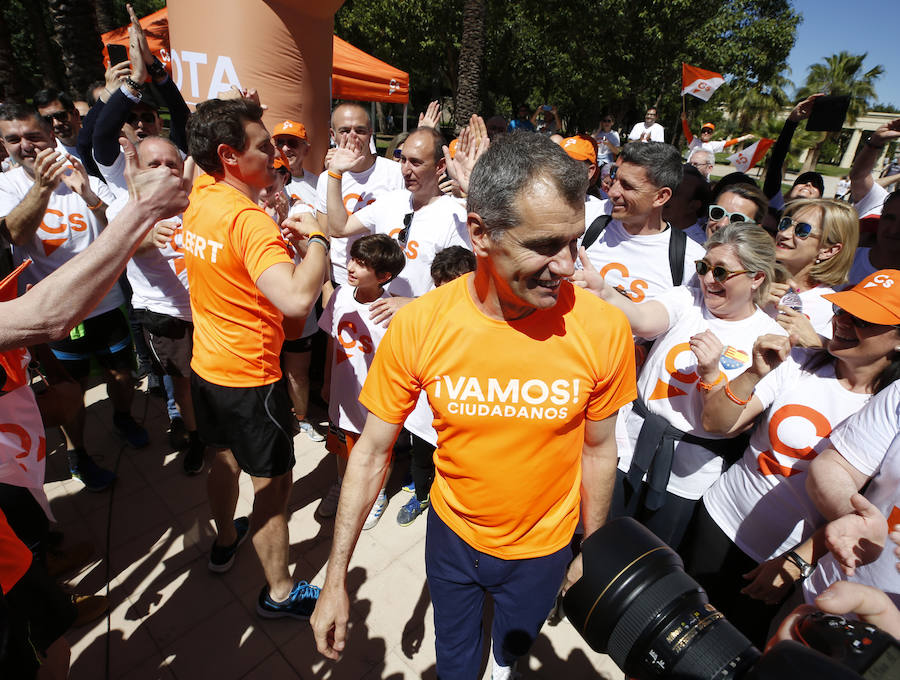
(815, 243)
(667, 460)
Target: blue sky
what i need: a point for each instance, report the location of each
(856, 26)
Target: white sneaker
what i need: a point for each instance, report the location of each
(328, 507)
(376, 511)
(306, 428)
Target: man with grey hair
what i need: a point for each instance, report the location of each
(703, 160)
(522, 444)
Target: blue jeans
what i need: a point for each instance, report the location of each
(523, 591)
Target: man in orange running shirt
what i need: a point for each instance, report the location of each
(524, 373)
(244, 286)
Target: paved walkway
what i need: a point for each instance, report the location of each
(171, 618)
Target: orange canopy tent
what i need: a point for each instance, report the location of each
(355, 74)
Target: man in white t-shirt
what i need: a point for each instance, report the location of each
(632, 253)
(705, 140)
(648, 130)
(52, 211)
(420, 217)
(343, 189)
(291, 137)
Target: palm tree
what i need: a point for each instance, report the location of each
(751, 103)
(10, 81)
(841, 74)
(468, 100)
(75, 26)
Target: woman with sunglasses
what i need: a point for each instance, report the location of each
(749, 528)
(735, 203)
(608, 144)
(815, 242)
(664, 436)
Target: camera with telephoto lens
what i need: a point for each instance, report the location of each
(636, 603)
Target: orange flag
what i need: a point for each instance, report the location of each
(749, 157)
(699, 82)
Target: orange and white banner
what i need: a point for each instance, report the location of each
(699, 82)
(749, 157)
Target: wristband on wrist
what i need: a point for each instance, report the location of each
(317, 233)
(335, 175)
(706, 387)
(99, 203)
(737, 400)
(156, 69)
(137, 87)
(321, 240)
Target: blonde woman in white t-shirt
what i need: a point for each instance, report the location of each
(749, 540)
(815, 242)
(667, 446)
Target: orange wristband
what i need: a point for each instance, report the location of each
(706, 387)
(735, 399)
(335, 175)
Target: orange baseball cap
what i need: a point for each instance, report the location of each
(292, 128)
(580, 148)
(708, 125)
(875, 299)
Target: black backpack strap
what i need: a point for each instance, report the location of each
(677, 249)
(593, 232)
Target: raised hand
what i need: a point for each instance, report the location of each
(886, 133)
(432, 116)
(348, 156)
(143, 45)
(708, 350)
(76, 178)
(473, 142)
(798, 326)
(138, 65)
(769, 351)
(802, 110)
(49, 168)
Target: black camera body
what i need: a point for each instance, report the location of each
(636, 603)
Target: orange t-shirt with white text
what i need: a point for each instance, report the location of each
(228, 243)
(510, 401)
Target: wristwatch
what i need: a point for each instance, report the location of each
(805, 567)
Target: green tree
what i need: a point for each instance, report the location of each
(840, 74)
(81, 56)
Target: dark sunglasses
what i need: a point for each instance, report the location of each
(613, 171)
(398, 152)
(704, 131)
(719, 272)
(59, 116)
(146, 117)
(403, 236)
(855, 320)
(289, 142)
(802, 230)
(607, 120)
(717, 212)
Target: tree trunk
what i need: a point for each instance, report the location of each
(44, 52)
(11, 87)
(106, 15)
(379, 116)
(812, 158)
(75, 28)
(468, 100)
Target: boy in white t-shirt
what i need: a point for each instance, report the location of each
(374, 260)
(448, 264)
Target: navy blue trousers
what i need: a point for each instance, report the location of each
(523, 592)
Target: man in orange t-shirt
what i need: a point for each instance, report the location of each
(243, 285)
(524, 374)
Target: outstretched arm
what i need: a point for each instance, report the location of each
(861, 180)
(366, 470)
(50, 309)
(775, 167)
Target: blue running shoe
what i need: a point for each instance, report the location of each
(299, 604)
